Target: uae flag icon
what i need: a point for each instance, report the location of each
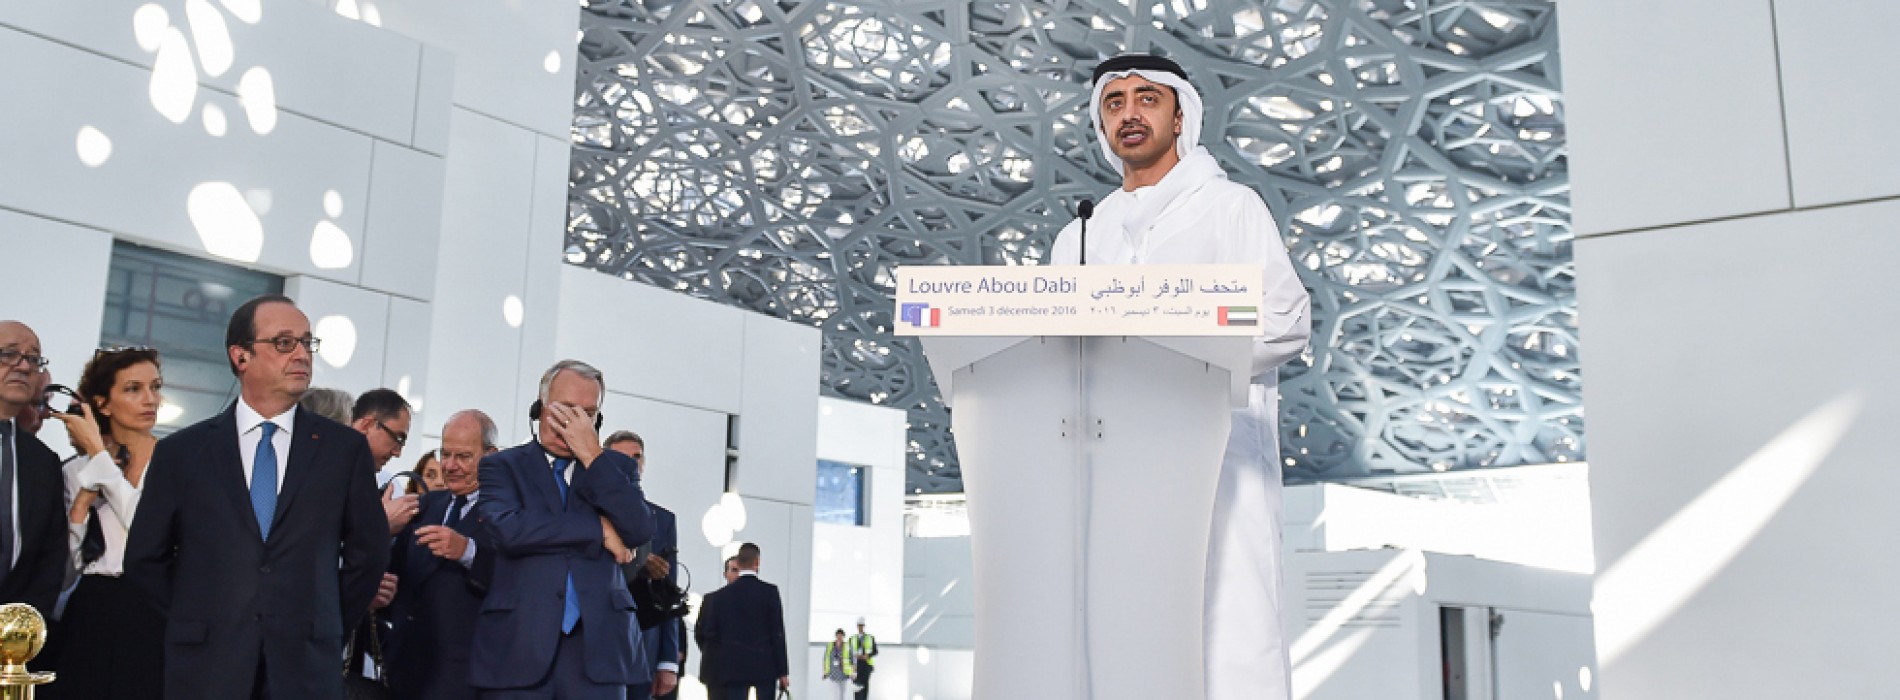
(1239, 316)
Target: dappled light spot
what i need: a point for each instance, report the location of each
(330, 247)
(174, 85)
(339, 340)
(148, 25)
(512, 311)
(258, 94)
(93, 145)
(211, 36)
(215, 121)
(225, 223)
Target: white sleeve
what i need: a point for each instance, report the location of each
(101, 473)
(1286, 309)
(1066, 248)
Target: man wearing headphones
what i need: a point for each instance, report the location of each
(558, 620)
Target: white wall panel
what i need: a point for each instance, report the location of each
(798, 590)
(939, 598)
(778, 423)
(353, 324)
(1672, 111)
(62, 296)
(858, 571)
(1840, 109)
(154, 165)
(435, 95)
(1741, 452)
(504, 52)
(653, 342)
(405, 362)
(321, 65)
(474, 352)
(540, 252)
(404, 221)
(860, 433)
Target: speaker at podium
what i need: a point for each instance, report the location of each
(1091, 407)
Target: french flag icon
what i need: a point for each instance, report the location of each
(920, 315)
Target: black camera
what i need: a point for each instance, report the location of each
(71, 408)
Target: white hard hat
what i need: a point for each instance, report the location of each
(860, 621)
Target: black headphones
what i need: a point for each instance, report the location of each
(534, 414)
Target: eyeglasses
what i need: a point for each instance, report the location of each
(286, 344)
(402, 439)
(10, 357)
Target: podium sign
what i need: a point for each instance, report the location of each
(1079, 300)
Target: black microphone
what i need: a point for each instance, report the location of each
(1085, 210)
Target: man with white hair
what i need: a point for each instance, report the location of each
(1176, 206)
(557, 623)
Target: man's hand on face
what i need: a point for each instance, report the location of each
(576, 428)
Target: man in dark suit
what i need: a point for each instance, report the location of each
(558, 620)
(260, 531)
(744, 623)
(709, 656)
(653, 561)
(444, 572)
(32, 495)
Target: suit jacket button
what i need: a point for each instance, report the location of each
(263, 569)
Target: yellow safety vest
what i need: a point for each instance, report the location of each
(862, 644)
(850, 668)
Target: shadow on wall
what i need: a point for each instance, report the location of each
(1674, 562)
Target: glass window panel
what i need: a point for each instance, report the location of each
(179, 305)
(841, 492)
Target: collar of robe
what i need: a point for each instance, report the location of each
(1149, 204)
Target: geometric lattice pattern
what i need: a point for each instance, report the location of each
(785, 157)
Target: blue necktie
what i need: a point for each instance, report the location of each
(571, 605)
(264, 480)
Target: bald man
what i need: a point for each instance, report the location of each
(32, 495)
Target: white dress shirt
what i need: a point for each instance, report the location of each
(250, 431)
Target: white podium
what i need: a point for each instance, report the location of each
(1090, 464)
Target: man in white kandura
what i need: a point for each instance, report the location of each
(1176, 206)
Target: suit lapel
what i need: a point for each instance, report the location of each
(226, 464)
(304, 446)
(423, 562)
(540, 477)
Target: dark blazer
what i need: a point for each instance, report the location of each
(662, 642)
(746, 625)
(433, 615)
(36, 575)
(230, 595)
(538, 541)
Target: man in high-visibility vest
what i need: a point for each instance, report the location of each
(862, 648)
(839, 666)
